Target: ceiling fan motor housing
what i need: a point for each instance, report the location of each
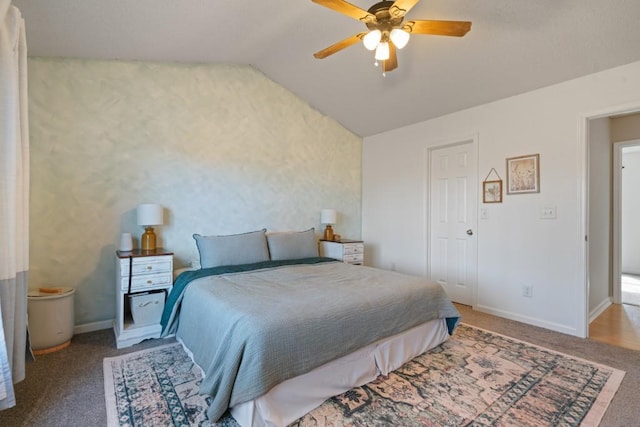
(384, 21)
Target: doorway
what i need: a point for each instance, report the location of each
(453, 205)
(617, 324)
(626, 211)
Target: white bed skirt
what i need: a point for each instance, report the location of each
(297, 396)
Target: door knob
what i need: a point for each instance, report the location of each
(470, 232)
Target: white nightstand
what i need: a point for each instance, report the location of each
(347, 251)
(150, 270)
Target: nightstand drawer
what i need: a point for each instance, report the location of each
(353, 258)
(349, 251)
(147, 265)
(146, 281)
(353, 248)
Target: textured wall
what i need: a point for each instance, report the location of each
(221, 147)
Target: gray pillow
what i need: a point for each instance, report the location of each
(233, 249)
(293, 245)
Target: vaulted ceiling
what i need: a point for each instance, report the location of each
(514, 46)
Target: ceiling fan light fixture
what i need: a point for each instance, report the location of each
(372, 39)
(387, 31)
(399, 37)
(382, 51)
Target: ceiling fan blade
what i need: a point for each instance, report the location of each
(440, 28)
(400, 7)
(348, 9)
(342, 44)
(391, 63)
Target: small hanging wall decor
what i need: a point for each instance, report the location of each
(492, 190)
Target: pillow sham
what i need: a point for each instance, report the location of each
(233, 249)
(293, 245)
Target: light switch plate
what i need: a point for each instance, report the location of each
(548, 212)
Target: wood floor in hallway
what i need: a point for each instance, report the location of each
(618, 325)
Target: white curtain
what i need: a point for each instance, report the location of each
(14, 201)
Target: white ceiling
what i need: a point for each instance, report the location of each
(514, 46)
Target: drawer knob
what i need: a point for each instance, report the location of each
(149, 267)
(149, 282)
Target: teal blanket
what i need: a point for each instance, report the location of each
(171, 311)
(254, 327)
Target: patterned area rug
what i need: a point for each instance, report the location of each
(475, 378)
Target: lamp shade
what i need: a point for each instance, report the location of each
(328, 216)
(399, 37)
(150, 214)
(382, 51)
(372, 39)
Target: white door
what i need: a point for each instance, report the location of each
(453, 206)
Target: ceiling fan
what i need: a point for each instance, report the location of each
(387, 29)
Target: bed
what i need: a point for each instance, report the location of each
(276, 337)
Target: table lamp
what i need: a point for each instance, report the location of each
(328, 217)
(149, 214)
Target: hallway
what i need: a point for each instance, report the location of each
(618, 325)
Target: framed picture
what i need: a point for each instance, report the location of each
(492, 191)
(523, 174)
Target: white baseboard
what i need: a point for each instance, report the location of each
(94, 326)
(599, 309)
(528, 320)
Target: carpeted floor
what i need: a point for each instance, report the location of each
(66, 388)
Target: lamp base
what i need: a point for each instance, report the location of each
(148, 240)
(328, 233)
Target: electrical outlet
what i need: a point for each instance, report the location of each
(527, 291)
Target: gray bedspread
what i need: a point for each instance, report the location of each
(250, 331)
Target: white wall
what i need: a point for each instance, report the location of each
(630, 231)
(222, 148)
(600, 161)
(625, 128)
(515, 246)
